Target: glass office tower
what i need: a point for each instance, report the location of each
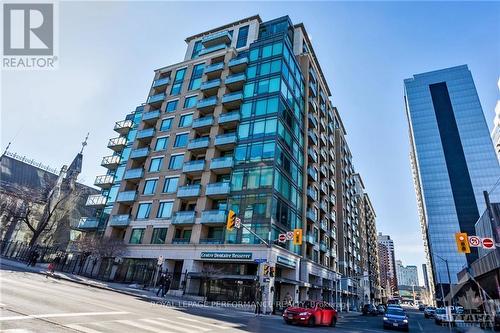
(453, 162)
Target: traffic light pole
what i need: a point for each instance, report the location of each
(253, 233)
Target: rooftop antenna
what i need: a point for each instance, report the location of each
(84, 143)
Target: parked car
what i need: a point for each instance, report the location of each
(381, 309)
(311, 313)
(421, 307)
(429, 312)
(395, 318)
(369, 309)
(444, 315)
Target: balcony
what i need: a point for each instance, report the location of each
(151, 117)
(104, 181)
(235, 81)
(324, 207)
(220, 37)
(323, 139)
(211, 241)
(126, 197)
(181, 240)
(312, 121)
(117, 144)
(324, 188)
(309, 238)
(123, 126)
(237, 65)
(324, 155)
(189, 191)
(313, 91)
(194, 167)
(186, 217)
(218, 190)
(145, 134)
(96, 201)
(229, 119)
(313, 137)
(212, 49)
(86, 223)
(225, 141)
(211, 87)
(313, 106)
(324, 170)
(324, 226)
(312, 154)
(161, 82)
(232, 100)
(322, 247)
(214, 70)
(139, 153)
(312, 173)
(110, 162)
(198, 144)
(311, 192)
(222, 164)
(207, 104)
(213, 217)
(156, 99)
(134, 174)
(119, 221)
(311, 215)
(203, 124)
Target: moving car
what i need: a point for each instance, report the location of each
(369, 309)
(395, 318)
(429, 312)
(311, 313)
(444, 316)
(421, 307)
(381, 309)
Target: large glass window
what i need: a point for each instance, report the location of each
(186, 120)
(197, 47)
(171, 105)
(242, 37)
(170, 185)
(255, 152)
(176, 162)
(258, 128)
(166, 124)
(159, 236)
(161, 143)
(177, 85)
(165, 210)
(136, 236)
(149, 186)
(195, 81)
(155, 164)
(190, 102)
(181, 140)
(143, 210)
(251, 179)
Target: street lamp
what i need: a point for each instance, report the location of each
(449, 277)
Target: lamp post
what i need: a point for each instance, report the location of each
(442, 294)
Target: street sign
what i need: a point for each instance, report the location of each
(488, 243)
(261, 260)
(160, 260)
(289, 235)
(282, 238)
(237, 222)
(474, 241)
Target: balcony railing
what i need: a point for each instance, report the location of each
(221, 188)
(312, 193)
(126, 196)
(223, 37)
(311, 215)
(313, 154)
(104, 181)
(139, 153)
(156, 98)
(96, 200)
(117, 144)
(322, 247)
(229, 117)
(232, 99)
(188, 191)
(151, 116)
(199, 143)
(235, 80)
(310, 238)
(207, 103)
(187, 217)
(203, 122)
(211, 84)
(313, 137)
(88, 223)
(312, 173)
(213, 49)
(312, 120)
(161, 82)
(121, 220)
(225, 139)
(146, 133)
(213, 216)
(238, 64)
(181, 240)
(193, 166)
(136, 173)
(110, 162)
(324, 226)
(217, 67)
(123, 126)
(222, 163)
(211, 241)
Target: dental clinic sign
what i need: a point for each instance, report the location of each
(29, 36)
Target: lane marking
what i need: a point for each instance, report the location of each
(206, 324)
(82, 328)
(420, 326)
(182, 324)
(58, 315)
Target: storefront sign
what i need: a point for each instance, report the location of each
(285, 261)
(227, 255)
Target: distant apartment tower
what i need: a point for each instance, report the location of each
(387, 263)
(453, 162)
(425, 276)
(407, 275)
(495, 134)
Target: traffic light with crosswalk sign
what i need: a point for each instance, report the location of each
(297, 236)
(231, 220)
(462, 242)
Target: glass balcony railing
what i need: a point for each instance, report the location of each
(222, 163)
(312, 120)
(213, 48)
(225, 139)
(207, 102)
(223, 37)
(324, 226)
(207, 85)
(151, 115)
(218, 188)
(219, 66)
(322, 247)
(229, 117)
(121, 220)
(235, 78)
(199, 143)
(134, 173)
(188, 191)
(243, 61)
(146, 133)
(313, 154)
(139, 153)
(324, 206)
(232, 97)
(96, 200)
(88, 223)
(311, 215)
(309, 238)
(156, 98)
(213, 216)
(110, 161)
(126, 196)
(161, 82)
(313, 137)
(203, 122)
(211, 241)
(187, 217)
(312, 173)
(193, 166)
(181, 240)
(312, 193)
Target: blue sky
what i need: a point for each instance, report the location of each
(108, 52)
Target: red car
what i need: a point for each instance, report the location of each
(311, 313)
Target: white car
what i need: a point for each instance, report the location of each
(445, 315)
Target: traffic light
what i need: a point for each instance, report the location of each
(272, 271)
(462, 242)
(297, 236)
(231, 217)
(266, 270)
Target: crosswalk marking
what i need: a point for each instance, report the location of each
(58, 315)
(144, 326)
(182, 324)
(82, 328)
(206, 324)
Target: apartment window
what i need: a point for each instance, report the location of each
(170, 185)
(166, 124)
(165, 210)
(176, 162)
(179, 78)
(149, 186)
(190, 102)
(143, 210)
(161, 143)
(195, 81)
(159, 236)
(136, 236)
(242, 37)
(155, 164)
(186, 120)
(172, 105)
(196, 49)
(181, 140)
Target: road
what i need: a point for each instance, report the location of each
(31, 302)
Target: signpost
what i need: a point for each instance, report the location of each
(488, 243)
(282, 238)
(474, 241)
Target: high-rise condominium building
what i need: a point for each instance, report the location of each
(425, 276)
(387, 264)
(407, 275)
(495, 134)
(243, 123)
(453, 162)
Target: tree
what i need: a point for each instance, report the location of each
(101, 247)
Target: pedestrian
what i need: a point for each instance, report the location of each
(168, 281)
(35, 258)
(161, 285)
(258, 300)
(52, 267)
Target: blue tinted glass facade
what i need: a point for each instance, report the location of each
(454, 161)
